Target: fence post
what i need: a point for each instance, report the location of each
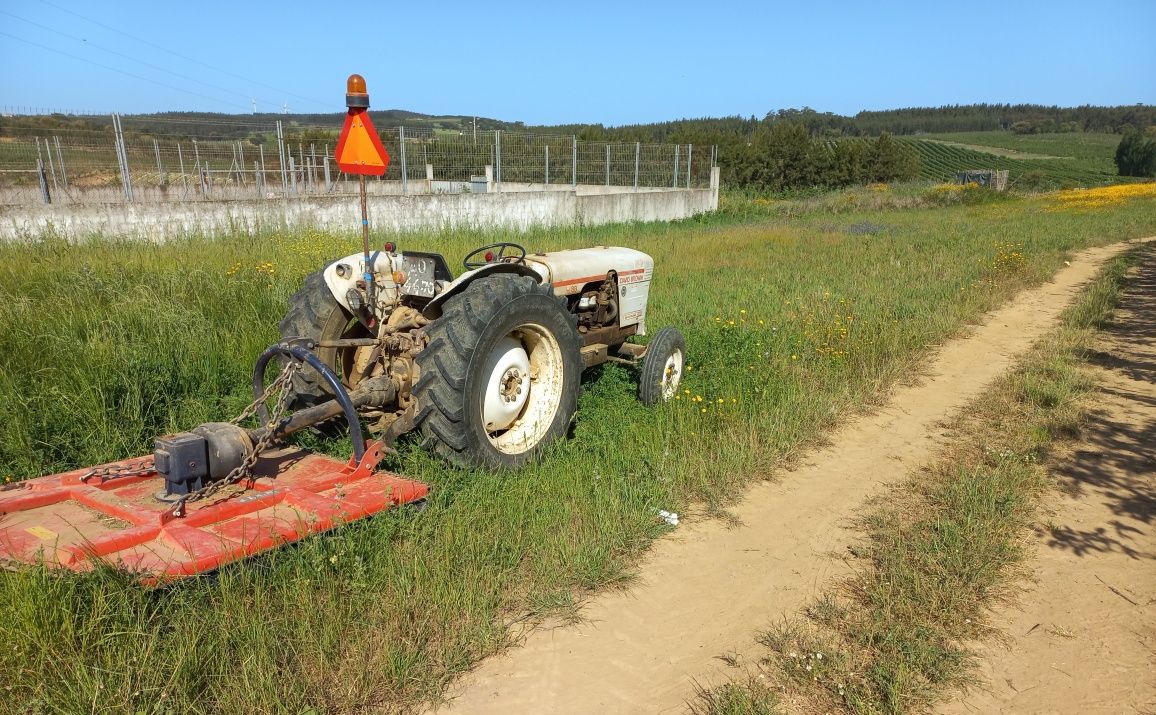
(257, 179)
(547, 165)
(233, 170)
(44, 193)
(313, 165)
(60, 160)
(51, 168)
(206, 180)
(127, 166)
(184, 179)
(574, 161)
(116, 146)
(293, 174)
(122, 152)
(328, 180)
(241, 163)
(198, 168)
(689, 154)
(281, 152)
(674, 183)
(160, 168)
(119, 158)
(498, 158)
(637, 156)
(608, 163)
(404, 168)
(261, 160)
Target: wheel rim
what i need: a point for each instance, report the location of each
(523, 388)
(671, 374)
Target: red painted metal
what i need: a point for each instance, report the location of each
(67, 522)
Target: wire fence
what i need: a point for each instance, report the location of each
(115, 159)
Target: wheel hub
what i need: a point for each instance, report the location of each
(508, 384)
(511, 384)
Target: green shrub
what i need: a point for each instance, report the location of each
(1136, 155)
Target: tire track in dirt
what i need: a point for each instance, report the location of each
(708, 588)
(1083, 640)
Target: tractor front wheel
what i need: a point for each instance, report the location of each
(499, 378)
(662, 367)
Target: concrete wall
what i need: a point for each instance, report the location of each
(519, 208)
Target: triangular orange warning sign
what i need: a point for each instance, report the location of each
(359, 150)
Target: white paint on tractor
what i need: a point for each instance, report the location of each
(571, 271)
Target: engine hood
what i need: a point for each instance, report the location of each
(570, 270)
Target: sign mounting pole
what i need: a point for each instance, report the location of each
(359, 151)
(365, 227)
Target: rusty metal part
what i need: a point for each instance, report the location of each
(610, 335)
(594, 354)
(632, 351)
(405, 422)
(348, 343)
(404, 318)
(373, 392)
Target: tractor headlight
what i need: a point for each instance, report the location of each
(342, 270)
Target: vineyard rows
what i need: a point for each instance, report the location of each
(941, 162)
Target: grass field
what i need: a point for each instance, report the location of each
(795, 312)
(1034, 161)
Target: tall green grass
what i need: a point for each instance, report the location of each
(795, 314)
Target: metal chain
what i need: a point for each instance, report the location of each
(292, 367)
(283, 386)
(118, 471)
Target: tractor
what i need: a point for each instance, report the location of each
(486, 367)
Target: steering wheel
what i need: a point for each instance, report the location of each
(516, 251)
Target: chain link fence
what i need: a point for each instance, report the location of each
(150, 159)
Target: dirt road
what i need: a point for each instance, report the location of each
(708, 588)
(1083, 640)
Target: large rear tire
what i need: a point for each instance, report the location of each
(316, 315)
(499, 378)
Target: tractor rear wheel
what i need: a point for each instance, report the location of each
(499, 378)
(315, 314)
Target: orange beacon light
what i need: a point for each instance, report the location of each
(356, 96)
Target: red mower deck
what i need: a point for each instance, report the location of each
(69, 522)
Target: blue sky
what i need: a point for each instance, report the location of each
(548, 62)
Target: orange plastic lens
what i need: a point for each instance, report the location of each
(355, 85)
